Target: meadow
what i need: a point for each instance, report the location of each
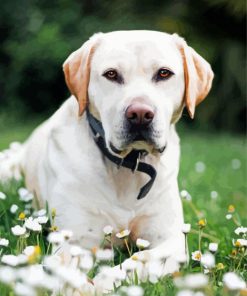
(213, 188)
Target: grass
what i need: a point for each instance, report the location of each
(16, 130)
(213, 171)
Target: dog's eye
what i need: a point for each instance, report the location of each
(113, 75)
(163, 74)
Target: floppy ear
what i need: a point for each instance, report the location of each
(77, 72)
(198, 76)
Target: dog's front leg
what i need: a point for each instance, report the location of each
(149, 264)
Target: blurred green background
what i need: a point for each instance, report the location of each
(37, 36)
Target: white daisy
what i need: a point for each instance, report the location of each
(67, 234)
(233, 282)
(123, 233)
(208, 260)
(4, 242)
(108, 229)
(214, 194)
(114, 273)
(29, 250)
(2, 195)
(55, 238)
(13, 260)
(200, 167)
(53, 262)
(24, 290)
(22, 259)
(86, 262)
(41, 212)
(186, 228)
(185, 195)
(241, 242)
(134, 291)
(192, 281)
(7, 274)
(142, 243)
(22, 191)
(240, 230)
(143, 257)
(104, 255)
(18, 230)
(32, 224)
(213, 247)
(129, 264)
(42, 219)
(196, 256)
(13, 209)
(236, 164)
(76, 251)
(36, 277)
(72, 276)
(25, 195)
(185, 293)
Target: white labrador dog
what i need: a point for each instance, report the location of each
(134, 85)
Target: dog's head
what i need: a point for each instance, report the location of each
(137, 84)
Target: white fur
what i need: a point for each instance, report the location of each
(63, 165)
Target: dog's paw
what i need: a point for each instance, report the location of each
(141, 264)
(87, 290)
(108, 278)
(152, 268)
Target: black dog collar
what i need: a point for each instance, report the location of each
(131, 161)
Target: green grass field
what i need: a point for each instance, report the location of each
(213, 173)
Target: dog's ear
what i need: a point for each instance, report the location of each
(77, 71)
(198, 75)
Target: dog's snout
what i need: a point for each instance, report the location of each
(139, 114)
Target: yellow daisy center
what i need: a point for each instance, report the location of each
(22, 216)
(220, 266)
(231, 208)
(202, 223)
(198, 256)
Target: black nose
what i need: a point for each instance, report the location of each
(139, 114)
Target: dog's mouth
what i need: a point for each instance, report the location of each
(138, 141)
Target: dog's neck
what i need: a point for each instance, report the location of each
(133, 161)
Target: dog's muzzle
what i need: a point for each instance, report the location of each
(139, 126)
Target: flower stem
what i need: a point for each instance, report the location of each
(235, 221)
(37, 239)
(127, 246)
(239, 263)
(48, 249)
(199, 244)
(187, 251)
(199, 239)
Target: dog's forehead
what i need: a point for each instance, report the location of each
(123, 38)
(144, 46)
